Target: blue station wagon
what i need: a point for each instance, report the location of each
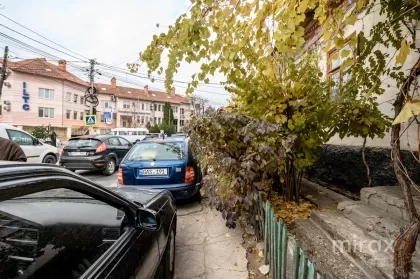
(162, 164)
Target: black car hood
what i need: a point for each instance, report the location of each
(142, 196)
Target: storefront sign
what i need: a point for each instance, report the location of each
(25, 98)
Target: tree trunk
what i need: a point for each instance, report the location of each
(405, 243)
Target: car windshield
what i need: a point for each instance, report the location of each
(81, 142)
(157, 151)
(56, 194)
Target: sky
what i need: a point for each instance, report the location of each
(111, 32)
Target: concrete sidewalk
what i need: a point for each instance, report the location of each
(205, 247)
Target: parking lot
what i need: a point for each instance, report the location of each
(205, 247)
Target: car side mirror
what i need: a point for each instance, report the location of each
(36, 141)
(148, 220)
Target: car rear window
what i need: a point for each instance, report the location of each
(81, 143)
(157, 151)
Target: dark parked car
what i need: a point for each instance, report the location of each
(57, 224)
(98, 152)
(162, 164)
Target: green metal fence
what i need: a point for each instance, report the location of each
(275, 235)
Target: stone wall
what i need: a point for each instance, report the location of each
(342, 167)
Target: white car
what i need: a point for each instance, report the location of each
(35, 150)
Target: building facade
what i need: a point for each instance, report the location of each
(39, 93)
(341, 163)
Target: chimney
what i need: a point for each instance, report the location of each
(113, 83)
(62, 65)
(173, 91)
(146, 89)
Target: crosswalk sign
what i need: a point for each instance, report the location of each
(90, 120)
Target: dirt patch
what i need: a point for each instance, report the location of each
(254, 256)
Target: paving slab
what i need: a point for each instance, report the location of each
(205, 247)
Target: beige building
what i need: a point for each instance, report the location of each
(38, 93)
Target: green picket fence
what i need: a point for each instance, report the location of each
(275, 235)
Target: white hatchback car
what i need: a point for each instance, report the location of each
(35, 150)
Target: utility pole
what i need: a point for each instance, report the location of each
(92, 80)
(3, 69)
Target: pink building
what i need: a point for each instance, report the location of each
(38, 93)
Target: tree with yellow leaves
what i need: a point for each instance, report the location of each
(260, 47)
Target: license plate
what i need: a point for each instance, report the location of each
(155, 172)
(77, 153)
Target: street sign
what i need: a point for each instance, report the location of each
(90, 120)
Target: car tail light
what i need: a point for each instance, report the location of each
(189, 174)
(101, 148)
(120, 177)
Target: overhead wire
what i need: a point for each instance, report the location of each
(21, 25)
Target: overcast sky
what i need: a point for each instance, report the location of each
(113, 32)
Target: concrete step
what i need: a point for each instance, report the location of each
(389, 199)
(377, 223)
(371, 218)
(370, 253)
(317, 245)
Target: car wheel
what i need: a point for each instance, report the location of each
(109, 167)
(49, 159)
(169, 259)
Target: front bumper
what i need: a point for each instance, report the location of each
(83, 163)
(179, 191)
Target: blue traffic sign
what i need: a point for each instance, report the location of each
(90, 120)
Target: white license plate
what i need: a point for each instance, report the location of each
(155, 172)
(77, 153)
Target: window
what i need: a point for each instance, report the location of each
(154, 107)
(105, 104)
(47, 247)
(114, 142)
(81, 115)
(157, 151)
(75, 115)
(46, 112)
(46, 93)
(181, 122)
(68, 112)
(124, 142)
(181, 110)
(20, 138)
(176, 109)
(102, 117)
(142, 106)
(339, 61)
(82, 100)
(68, 99)
(126, 104)
(159, 107)
(75, 98)
(154, 120)
(158, 120)
(142, 120)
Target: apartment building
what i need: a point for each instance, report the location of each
(38, 92)
(341, 161)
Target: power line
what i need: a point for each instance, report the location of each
(39, 42)
(43, 36)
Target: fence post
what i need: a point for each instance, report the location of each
(303, 265)
(296, 261)
(272, 262)
(279, 259)
(266, 231)
(312, 271)
(284, 252)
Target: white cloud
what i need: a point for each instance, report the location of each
(107, 30)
